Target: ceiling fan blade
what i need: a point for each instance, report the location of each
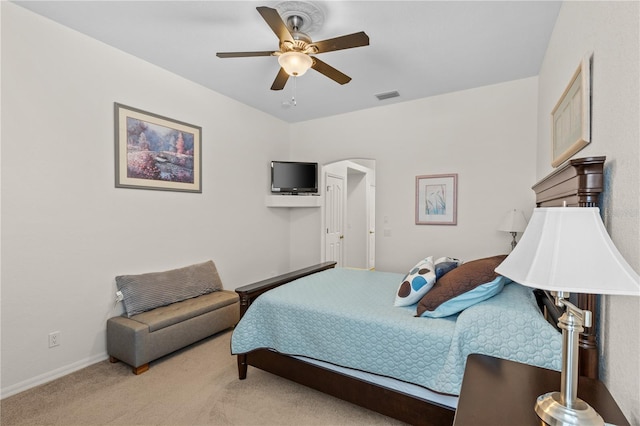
(329, 71)
(343, 42)
(243, 54)
(273, 19)
(281, 80)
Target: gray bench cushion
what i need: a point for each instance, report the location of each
(166, 316)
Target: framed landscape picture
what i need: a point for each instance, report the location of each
(156, 152)
(436, 199)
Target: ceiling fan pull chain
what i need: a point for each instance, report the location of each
(295, 84)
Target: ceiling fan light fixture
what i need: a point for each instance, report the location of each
(295, 63)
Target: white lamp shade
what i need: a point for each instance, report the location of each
(295, 63)
(568, 249)
(513, 221)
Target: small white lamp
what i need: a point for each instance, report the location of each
(513, 222)
(566, 250)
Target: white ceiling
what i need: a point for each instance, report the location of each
(418, 48)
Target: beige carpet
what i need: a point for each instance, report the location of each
(196, 386)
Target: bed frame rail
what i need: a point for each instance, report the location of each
(250, 292)
(385, 401)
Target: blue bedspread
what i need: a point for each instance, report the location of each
(346, 317)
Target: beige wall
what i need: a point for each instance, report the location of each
(611, 31)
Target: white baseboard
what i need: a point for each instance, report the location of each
(50, 375)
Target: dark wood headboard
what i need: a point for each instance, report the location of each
(577, 183)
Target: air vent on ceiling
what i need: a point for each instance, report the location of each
(387, 95)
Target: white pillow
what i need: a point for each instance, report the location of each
(416, 283)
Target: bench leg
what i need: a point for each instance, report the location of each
(141, 369)
(242, 366)
(136, 370)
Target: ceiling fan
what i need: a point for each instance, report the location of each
(296, 49)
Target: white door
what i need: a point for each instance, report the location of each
(371, 218)
(334, 205)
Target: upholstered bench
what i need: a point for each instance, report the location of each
(166, 311)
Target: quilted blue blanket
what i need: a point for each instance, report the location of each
(346, 317)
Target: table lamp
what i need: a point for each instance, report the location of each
(513, 222)
(566, 250)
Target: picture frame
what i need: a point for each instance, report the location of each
(156, 152)
(437, 199)
(571, 116)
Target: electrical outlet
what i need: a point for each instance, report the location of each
(54, 339)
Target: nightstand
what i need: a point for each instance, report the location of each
(500, 392)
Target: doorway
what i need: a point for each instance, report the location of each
(348, 225)
(334, 218)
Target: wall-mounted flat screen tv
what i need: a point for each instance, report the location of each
(293, 177)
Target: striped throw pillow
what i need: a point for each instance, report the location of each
(148, 291)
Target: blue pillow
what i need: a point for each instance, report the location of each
(444, 265)
(471, 297)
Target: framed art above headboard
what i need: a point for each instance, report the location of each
(577, 183)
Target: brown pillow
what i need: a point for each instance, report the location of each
(464, 278)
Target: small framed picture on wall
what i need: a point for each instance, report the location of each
(437, 199)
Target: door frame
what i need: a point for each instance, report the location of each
(340, 169)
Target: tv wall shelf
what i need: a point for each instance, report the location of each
(293, 201)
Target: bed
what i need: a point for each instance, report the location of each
(419, 393)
